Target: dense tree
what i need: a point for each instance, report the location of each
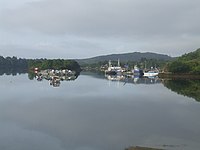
(14, 62)
(187, 63)
(179, 67)
(13, 65)
(54, 64)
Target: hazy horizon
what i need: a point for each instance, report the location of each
(85, 57)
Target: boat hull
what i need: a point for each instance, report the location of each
(110, 72)
(150, 74)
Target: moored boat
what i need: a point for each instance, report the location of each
(151, 73)
(113, 70)
(137, 72)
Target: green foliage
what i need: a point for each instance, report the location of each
(191, 56)
(190, 88)
(13, 62)
(54, 64)
(187, 63)
(179, 67)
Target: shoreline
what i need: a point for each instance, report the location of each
(170, 75)
(141, 148)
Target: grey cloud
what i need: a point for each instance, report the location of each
(107, 18)
(98, 26)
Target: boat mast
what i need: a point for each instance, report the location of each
(109, 63)
(118, 63)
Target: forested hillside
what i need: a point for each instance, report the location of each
(187, 63)
(135, 56)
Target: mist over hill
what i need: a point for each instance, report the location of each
(135, 56)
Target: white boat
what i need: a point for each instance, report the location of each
(151, 73)
(136, 70)
(114, 70)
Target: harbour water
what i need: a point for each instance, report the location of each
(94, 113)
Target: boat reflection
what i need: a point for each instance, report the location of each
(12, 71)
(115, 77)
(55, 81)
(133, 79)
(55, 76)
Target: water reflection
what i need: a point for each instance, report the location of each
(89, 115)
(54, 76)
(124, 78)
(133, 79)
(12, 71)
(189, 88)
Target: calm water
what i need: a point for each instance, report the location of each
(93, 113)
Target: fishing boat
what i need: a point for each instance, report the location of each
(136, 70)
(113, 70)
(151, 73)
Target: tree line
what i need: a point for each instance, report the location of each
(54, 64)
(14, 63)
(187, 63)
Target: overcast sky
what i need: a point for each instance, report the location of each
(86, 28)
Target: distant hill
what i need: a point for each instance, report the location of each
(135, 56)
